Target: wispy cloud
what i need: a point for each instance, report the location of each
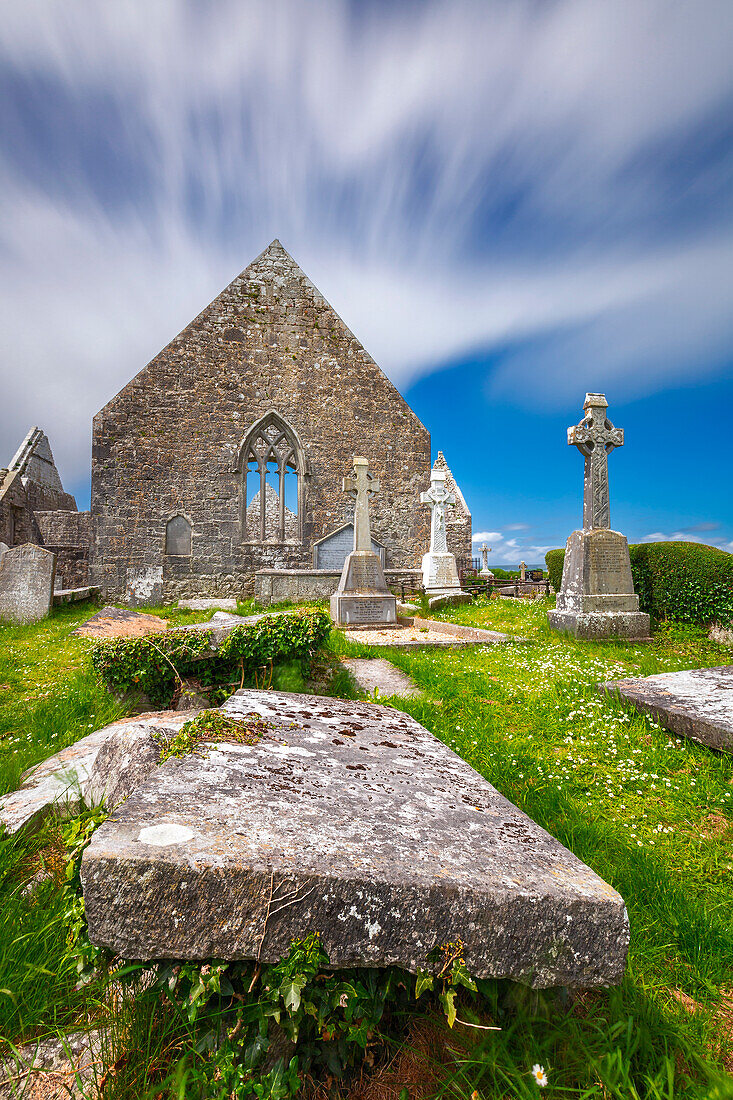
(547, 182)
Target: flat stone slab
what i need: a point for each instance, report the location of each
(696, 704)
(350, 819)
(205, 604)
(118, 622)
(74, 595)
(375, 674)
(105, 766)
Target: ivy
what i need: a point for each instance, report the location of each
(210, 726)
(157, 666)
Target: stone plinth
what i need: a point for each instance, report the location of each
(440, 572)
(26, 584)
(696, 704)
(352, 820)
(597, 598)
(362, 597)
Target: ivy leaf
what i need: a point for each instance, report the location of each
(423, 981)
(448, 999)
(460, 976)
(290, 991)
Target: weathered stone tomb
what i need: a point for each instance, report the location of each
(350, 819)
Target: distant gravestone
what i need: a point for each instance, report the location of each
(26, 583)
(439, 569)
(362, 597)
(597, 598)
(485, 571)
(144, 587)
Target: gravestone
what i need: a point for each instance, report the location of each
(144, 586)
(485, 571)
(332, 550)
(597, 598)
(351, 820)
(697, 703)
(439, 570)
(362, 597)
(26, 583)
(522, 571)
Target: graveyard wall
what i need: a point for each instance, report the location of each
(168, 443)
(68, 534)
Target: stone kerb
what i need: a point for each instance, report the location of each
(26, 584)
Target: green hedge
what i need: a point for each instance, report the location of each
(156, 664)
(684, 581)
(554, 560)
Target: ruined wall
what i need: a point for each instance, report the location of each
(30, 483)
(68, 534)
(168, 443)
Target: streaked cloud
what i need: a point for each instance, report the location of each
(549, 184)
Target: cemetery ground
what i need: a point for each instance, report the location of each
(651, 813)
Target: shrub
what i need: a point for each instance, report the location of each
(157, 665)
(554, 560)
(684, 581)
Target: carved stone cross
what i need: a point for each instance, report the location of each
(595, 437)
(361, 486)
(485, 551)
(438, 498)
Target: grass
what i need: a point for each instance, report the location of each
(650, 813)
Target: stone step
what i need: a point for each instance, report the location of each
(374, 673)
(350, 819)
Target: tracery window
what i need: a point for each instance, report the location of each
(271, 483)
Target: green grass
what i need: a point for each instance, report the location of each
(651, 813)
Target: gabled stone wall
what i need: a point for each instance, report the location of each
(170, 442)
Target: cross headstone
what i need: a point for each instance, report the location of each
(362, 597)
(595, 437)
(362, 487)
(438, 499)
(522, 571)
(485, 551)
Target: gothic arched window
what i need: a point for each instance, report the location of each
(271, 473)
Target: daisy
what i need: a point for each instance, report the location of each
(538, 1072)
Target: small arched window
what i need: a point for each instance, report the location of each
(271, 490)
(178, 537)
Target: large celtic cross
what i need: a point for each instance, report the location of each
(438, 498)
(595, 437)
(361, 486)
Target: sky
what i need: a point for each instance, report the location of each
(509, 203)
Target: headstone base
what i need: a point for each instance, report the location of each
(632, 625)
(597, 598)
(363, 609)
(440, 573)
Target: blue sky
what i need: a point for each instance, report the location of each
(508, 203)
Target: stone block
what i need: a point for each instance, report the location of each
(26, 584)
(352, 820)
(202, 604)
(696, 704)
(104, 767)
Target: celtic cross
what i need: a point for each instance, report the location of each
(595, 437)
(438, 498)
(485, 551)
(361, 486)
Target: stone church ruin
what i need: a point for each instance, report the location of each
(217, 470)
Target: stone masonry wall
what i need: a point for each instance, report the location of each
(168, 443)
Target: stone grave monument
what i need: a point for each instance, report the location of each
(485, 571)
(362, 597)
(522, 571)
(597, 598)
(26, 583)
(439, 570)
